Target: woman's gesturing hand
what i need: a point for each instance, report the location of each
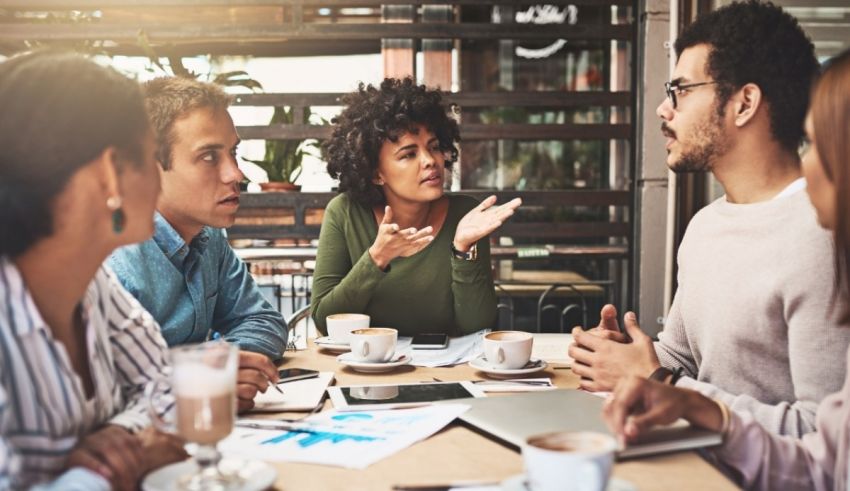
(638, 404)
(482, 220)
(392, 242)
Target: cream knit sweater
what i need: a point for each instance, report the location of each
(752, 321)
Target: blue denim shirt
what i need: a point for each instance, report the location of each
(191, 289)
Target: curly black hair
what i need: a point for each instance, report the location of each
(374, 115)
(756, 42)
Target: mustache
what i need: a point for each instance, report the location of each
(667, 131)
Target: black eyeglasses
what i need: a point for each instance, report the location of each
(672, 88)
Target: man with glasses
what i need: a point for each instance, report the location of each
(752, 322)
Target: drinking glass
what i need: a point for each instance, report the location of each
(202, 387)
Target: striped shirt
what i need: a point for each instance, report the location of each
(43, 407)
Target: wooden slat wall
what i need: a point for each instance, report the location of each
(275, 26)
(98, 4)
(286, 215)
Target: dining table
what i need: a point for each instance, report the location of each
(460, 454)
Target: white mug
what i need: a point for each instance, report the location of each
(568, 460)
(341, 325)
(373, 344)
(508, 349)
(375, 392)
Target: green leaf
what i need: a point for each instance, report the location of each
(144, 42)
(238, 78)
(178, 69)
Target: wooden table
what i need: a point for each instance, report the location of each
(457, 453)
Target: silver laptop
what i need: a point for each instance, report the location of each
(513, 418)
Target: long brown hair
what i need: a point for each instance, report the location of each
(830, 112)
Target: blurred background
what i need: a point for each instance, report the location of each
(556, 103)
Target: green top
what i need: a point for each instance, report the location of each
(431, 291)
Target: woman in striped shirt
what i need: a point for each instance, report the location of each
(77, 179)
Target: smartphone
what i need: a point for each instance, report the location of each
(430, 341)
(293, 374)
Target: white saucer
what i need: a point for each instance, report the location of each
(367, 367)
(480, 364)
(256, 475)
(328, 344)
(517, 483)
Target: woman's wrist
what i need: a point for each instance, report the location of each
(461, 246)
(378, 259)
(706, 413)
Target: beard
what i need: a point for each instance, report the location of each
(708, 143)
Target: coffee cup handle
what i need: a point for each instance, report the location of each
(156, 389)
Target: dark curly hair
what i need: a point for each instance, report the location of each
(755, 42)
(374, 115)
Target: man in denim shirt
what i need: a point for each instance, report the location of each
(187, 276)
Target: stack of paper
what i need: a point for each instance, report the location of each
(301, 395)
(460, 350)
(552, 347)
(515, 385)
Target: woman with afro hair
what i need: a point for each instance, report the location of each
(393, 245)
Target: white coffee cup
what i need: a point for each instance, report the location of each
(506, 350)
(375, 392)
(568, 460)
(341, 325)
(373, 344)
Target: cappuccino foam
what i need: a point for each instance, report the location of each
(199, 380)
(508, 336)
(571, 442)
(341, 317)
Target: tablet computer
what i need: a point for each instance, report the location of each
(391, 396)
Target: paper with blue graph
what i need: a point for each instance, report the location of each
(348, 439)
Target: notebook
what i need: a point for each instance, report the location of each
(514, 418)
(301, 395)
(552, 347)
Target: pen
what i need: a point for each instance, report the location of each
(278, 425)
(273, 384)
(298, 426)
(443, 487)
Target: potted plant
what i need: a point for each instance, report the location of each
(283, 158)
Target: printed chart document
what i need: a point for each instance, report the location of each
(460, 350)
(301, 395)
(353, 440)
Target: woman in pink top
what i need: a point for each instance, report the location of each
(760, 459)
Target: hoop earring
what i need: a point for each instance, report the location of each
(119, 219)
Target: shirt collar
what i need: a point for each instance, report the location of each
(166, 237)
(799, 184)
(201, 240)
(25, 317)
(171, 243)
